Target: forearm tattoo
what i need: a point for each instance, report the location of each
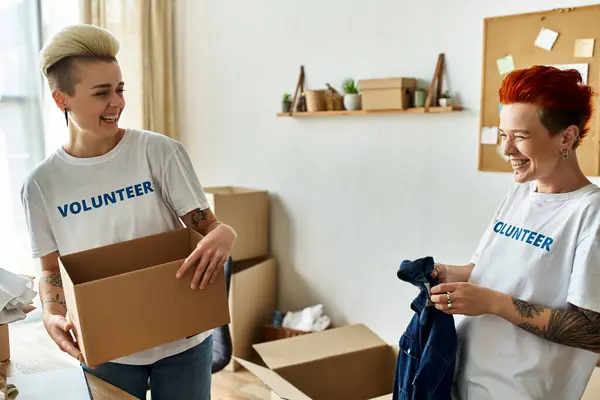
(575, 328)
(527, 310)
(54, 280)
(55, 299)
(199, 215)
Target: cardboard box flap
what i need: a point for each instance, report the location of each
(129, 256)
(316, 346)
(276, 383)
(387, 83)
(230, 190)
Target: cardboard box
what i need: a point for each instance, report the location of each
(270, 333)
(252, 301)
(124, 298)
(246, 211)
(387, 93)
(4, 343)
(350, 363)
(592, 391)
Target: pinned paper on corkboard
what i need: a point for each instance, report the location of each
(546, 39)
(581, 68)
(584, 48)
(505, 64)
(489, 135)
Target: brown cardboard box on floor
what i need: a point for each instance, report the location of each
(4, 343)
(387, 93)
(124, 298)
(252, 301)
(247, 212)
(592, 391)
(350, 362)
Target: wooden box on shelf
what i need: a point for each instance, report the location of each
(387, 93)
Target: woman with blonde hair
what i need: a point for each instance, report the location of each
(101, 158)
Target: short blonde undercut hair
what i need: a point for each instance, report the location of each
(75, 42)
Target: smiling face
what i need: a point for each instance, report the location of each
(97, 99)
(533, 152)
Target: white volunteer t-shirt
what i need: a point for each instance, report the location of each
(137, 189)
(544, 249)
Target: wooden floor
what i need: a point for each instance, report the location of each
(226, 385)
(240, 385)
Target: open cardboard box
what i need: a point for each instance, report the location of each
(124, 298)
(350, 363)
(4, 343)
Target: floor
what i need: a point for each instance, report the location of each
(239, 385)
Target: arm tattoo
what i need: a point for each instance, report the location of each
(55, 300)
(575, 328)
(197, 216)
(527, 310)
(54, 280)
(532, 328)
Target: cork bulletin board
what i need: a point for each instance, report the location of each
(566, 38)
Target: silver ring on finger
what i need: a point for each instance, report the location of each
(448, 296)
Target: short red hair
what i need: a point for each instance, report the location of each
(561, 95)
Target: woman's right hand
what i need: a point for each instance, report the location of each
(59, 330)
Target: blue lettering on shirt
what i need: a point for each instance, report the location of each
(523, 235)
(105, 199)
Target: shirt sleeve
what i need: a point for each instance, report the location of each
(42, 239)
(584, 287)
(181, 187)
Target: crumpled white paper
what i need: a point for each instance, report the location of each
(310, 319)
(16, 296)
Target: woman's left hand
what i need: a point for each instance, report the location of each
(209, 256)
(464, 298)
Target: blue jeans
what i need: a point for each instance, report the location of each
(185, 375)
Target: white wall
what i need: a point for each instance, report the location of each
(351, 196)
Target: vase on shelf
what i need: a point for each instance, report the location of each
(445, 102)
(419, 98)
(352, 101)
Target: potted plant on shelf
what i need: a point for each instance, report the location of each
(351, 97)
(286, 104)
(444, 99)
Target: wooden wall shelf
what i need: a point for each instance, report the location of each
(432, 110)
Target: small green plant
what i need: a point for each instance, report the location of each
(350, 86)
(445, 95)
(287, 98)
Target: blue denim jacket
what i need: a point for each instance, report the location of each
(426, 361)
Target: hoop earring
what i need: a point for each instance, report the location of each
(565, 154)
(66, 116)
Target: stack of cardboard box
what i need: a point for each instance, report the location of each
(328, 364)
(253, 289)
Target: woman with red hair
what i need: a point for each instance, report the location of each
(527, 307)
